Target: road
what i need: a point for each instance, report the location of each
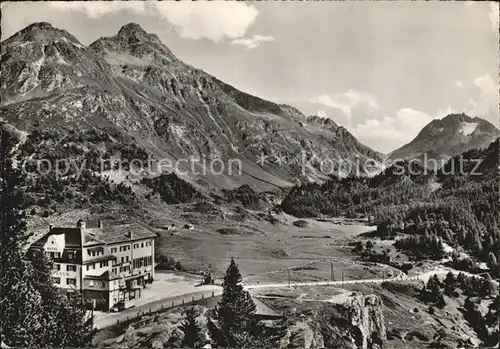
(109, 319)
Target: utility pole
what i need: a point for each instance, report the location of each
(93, 306)
(331, 271)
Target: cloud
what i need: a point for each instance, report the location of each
(347, 101)
(321, 113)
(211, 20)
(459, 84)
(441, 113)
(493, 15)
(391, 132)
(486, 104)
(99, 9)
(252, 42)
(215, 20)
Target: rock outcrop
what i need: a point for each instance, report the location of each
(367, 326)
(358, 324)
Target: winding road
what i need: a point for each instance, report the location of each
(109, 319)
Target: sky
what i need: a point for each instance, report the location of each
(382, 69)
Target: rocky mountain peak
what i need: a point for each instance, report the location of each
(449, 136)
(326, 122)
(39, 26)
(133, 40)
(131, 83)
(41, 32)
(132, 29)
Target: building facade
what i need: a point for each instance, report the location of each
(106, 265)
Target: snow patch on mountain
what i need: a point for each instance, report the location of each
(466, 128)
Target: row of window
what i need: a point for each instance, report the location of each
(69, 267)
(121, 269)
(57, 255)
(127, 247)
(142, 262)
(142, 244)
(122, 248)
(69, 281)
(103, 284)
(101, 265)
(53, 254)
(95, 252)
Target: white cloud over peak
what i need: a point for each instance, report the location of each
(252, 42)
(98, 9)
(215, 20)
(321, 113)
(486, 104)
(493, 15)
(346, 101)
(441, 113)
(211, 20)
(394, 131)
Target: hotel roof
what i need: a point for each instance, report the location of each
(77, 237)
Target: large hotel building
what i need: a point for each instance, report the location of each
(106, 264)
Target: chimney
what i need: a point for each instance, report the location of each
(100, 224)
(80, 224)
(51, 226)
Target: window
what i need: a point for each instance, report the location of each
(71, 267)
(70, 281)
(103, 284)
(58, 254)
(123, 259)
(71, 254)
(142, 244)
(93, 265)
(88, 266)
(56, 280)
(57, 266)
(126, 258)
(113, 249)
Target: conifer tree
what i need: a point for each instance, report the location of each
(234, 313)
(191, 329)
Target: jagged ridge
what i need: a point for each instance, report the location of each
(133, 83)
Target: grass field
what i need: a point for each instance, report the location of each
(264, 251)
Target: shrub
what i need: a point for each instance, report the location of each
(301, 223)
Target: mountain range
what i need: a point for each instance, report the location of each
(130, 95)
(131, 86)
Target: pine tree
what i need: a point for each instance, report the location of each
(234, 313)
(191, 329)
(33, 313)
